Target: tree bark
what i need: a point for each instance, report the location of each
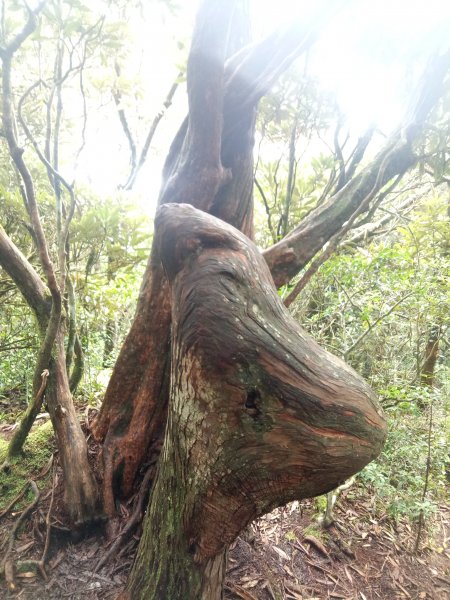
(259, 414)
(211, 168)
(427, 371)
(80, 486)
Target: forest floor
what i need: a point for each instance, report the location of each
(284, 555)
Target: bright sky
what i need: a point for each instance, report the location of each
(370, 56)
(370, 50)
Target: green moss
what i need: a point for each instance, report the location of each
(37, 451)
(315, 532)
(320, 503)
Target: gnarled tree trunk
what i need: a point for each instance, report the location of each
(259, 414)
(210, 165)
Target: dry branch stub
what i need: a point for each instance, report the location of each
(259, 414)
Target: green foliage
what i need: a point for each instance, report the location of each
(356, 289)
(398, 475)
(110, 245)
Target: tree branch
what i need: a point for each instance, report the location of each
(291, 254)
(25, 32)
(148, 140)
(337, 237)
(25, 277)
(117, 96)
(374, 324)
(199, 172)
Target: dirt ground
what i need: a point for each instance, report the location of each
(284, 555)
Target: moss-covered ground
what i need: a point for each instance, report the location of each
(38, 449)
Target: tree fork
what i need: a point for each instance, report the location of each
(259, 414)
(133, 415)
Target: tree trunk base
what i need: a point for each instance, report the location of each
(81, 490)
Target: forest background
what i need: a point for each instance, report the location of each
(99, 91)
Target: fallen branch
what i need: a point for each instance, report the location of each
(317, 544)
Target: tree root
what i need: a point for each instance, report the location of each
(20, 495)
(8, 567)
(134, 520)
(14, 501)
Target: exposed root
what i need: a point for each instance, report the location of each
(134, 520)
(7, 565)
(14, 501)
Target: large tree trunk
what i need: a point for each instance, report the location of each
(259, 414)
(210, 165)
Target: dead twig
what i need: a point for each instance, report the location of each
(241, 592)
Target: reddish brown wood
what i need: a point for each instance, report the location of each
(211, 168)
(259, 414)
(427, 371)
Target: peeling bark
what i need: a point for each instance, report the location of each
(259, 414)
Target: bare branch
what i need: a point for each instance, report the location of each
(148, 140)
(267, 208)
(374, 324)
(53, 170)
(117, 96)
